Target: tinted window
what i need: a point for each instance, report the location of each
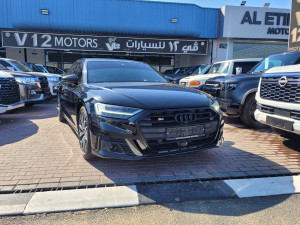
(219, 68)
(20, 66)
(200, 70)
(276, 60)
(115, 71)
(246, 66)
(2, 67)
(5, 64)
(53, 69)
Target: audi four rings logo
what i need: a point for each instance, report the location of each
(185, 117)
(283, 81)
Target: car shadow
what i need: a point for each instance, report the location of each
(18, 124)
(194, 168)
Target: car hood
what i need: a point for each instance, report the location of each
(5, 74)
(20, 74)
(234, 78)
(148, 96)
(46, 74)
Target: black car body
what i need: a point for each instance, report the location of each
(194, 70)
(236, 93)
(164, 118)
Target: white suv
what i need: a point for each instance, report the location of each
(278, 99)
(223, 68)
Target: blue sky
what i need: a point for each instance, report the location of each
(286, 4)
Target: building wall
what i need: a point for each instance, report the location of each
(15, 53)
(36, 56)
(111, 17)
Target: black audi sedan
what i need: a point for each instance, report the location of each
(125, 109)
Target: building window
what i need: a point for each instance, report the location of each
(243, 50)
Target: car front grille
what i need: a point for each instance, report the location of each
(154, 129)
(271, 90)
(9, 91)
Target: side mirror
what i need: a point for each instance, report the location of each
(189, 73)
(238, 70)
(70, 79)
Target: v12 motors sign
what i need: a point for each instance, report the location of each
(294, 38)
(104, 44)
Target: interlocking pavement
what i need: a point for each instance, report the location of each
(37, 151)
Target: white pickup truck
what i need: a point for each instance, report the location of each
(278, 99)
(223, 68)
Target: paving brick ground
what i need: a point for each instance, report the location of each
(37, 151)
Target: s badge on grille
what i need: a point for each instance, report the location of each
(283, 81)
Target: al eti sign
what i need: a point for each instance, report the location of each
(255, 22)
(103, 44)
(270, 19)
(294, 38)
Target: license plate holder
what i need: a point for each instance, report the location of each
(178, 133)
(280, 123)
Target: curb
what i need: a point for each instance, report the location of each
(134, 195)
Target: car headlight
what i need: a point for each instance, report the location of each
(120, 112)
(215, 106)
(25, 80)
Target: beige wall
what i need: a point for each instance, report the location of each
(36, 56)
(15, 53)
(33, 55)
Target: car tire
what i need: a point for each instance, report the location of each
(247, 116)
(84, 133)
(61, 117)
(286, 134)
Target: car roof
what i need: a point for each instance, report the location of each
(241, 60)
(109, 60)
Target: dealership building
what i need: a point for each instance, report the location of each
(165, 35)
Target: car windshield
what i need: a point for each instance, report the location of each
(3, 67)
(276, 60)
(53, 69)
(199, 70)
(33, 67)
(219, 68)
(20, 66)
(115, 71)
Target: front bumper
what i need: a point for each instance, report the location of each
(5, 108)
(262, 118)
(127, 139)
(33, 93)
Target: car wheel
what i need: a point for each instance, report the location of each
(84, 134)
(286, 134)
(61, 117)
(247, 115)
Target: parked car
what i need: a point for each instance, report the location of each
(53, 79)
(125, 109)
(33, 88)
(236, 94)
(278, 99)
(224, 68)
(41, 82)
(192, 71)
(176, 70)
(50, 69)
(9, 93)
